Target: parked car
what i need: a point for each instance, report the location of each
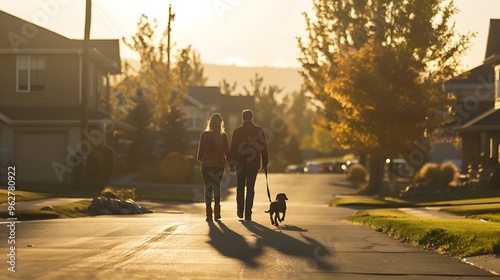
(312, 167)
(350, 163)
(398, 167)
(338, 167)
(295, 168)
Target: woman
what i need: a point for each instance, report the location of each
(212, 154)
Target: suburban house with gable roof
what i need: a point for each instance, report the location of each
(477, 93)
(41, 96)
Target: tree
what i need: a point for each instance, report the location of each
(198, 77)
(376, 68)
(175, 131)
(123, 93)
(140, 117)
(154, 76)
(299, 118)
(227, 88)
(163, 89)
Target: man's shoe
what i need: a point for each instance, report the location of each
(240, 214)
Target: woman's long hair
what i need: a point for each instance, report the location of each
(216, 125)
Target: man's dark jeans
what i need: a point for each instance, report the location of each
(212, 176)
(245, 178)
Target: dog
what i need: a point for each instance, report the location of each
(278, 206)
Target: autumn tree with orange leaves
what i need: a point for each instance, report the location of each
(376, 68)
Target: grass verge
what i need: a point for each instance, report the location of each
(457, 237)
(70, 210)
(391, 202)
(21, 196)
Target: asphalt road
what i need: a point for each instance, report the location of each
(176, 243)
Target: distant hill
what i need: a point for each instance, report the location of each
(288, 78)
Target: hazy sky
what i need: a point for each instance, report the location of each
(241, 32)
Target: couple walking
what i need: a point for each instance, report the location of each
(243, 156)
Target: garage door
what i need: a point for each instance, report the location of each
(34, 154)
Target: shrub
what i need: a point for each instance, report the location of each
(444, 174)
(194, 175)
(357, 173)
(449, 174)
(121, 193)
(150, 172)
(429, 173)
(175, 167)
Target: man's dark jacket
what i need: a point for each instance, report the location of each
(248, 145)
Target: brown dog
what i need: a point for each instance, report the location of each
(276, 207)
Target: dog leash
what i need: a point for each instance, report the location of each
(267, 185)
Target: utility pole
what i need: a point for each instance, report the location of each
(85, 68)
(84, 122)
(171, 17)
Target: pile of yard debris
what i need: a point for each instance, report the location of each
(110, 204)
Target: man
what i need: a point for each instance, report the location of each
(248, 146)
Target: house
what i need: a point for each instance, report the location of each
(477, 93)
(41, 97)
(201, 102)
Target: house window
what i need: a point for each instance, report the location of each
(30, 73)
(195, 123)
(199, 123)
(103, 88)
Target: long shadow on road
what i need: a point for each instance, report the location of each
(315, 254)
(232, 244)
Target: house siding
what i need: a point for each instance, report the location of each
(61, 83)
(41, 128)
(7, 78)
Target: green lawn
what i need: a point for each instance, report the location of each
(77, 209)
(73, 210)
(476, 234)
(453, 199)
(70, 210)
(457, 237)
(20, 196)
